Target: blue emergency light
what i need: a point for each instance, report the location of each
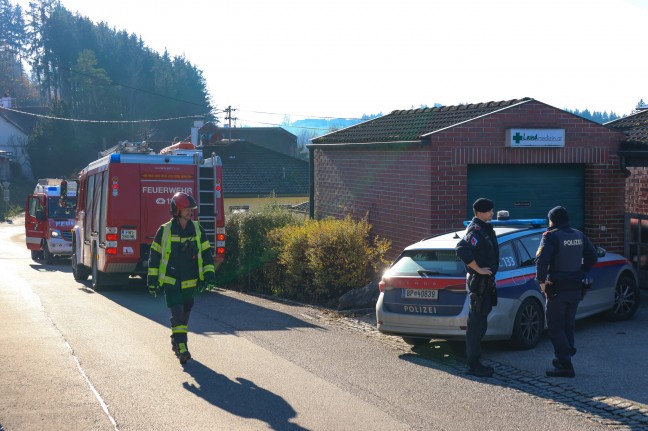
(534, 222)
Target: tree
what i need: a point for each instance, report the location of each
(13, 40)
(52, 148)
(106, 84)
(92, 94)
(42, 59)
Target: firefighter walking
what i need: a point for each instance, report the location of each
(180, 263)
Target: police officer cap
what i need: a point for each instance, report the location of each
(483, 205)
(558, 215)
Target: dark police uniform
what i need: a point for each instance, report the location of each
(479, 244)
(564, 256)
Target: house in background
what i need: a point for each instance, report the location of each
(416, 172)
(15, 125)
(634, 161)
(254, 176)
(273, 138)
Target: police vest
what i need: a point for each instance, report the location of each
(167, 239)
(571, 245)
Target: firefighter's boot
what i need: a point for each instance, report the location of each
(183, 353)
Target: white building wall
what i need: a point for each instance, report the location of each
(14, 141)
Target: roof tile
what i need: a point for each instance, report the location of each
(410, 125)
(636, 127)
(252, 170)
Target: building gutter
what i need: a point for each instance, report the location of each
(366, 144)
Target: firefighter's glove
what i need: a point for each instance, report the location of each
(208, 284)
(154, 290)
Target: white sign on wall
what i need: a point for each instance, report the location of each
(536, 138)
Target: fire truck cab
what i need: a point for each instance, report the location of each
(49, 218)
(124, 197)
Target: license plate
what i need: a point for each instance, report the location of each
(128, 234)
(421, 293)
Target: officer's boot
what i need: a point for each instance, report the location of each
(478, 369)
(561, 369)
(556, 361)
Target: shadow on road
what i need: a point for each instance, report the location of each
(240, 397)
(54, 267)
(213, 313)
(449, 356)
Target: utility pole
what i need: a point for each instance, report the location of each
(229, 117)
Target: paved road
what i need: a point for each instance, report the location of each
(76, 359)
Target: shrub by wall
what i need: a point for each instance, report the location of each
(246, 247)
(319, 261)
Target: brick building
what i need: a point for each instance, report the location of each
(634, 160)
(415, 173)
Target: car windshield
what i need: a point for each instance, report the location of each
(54, 210)
(429, 262)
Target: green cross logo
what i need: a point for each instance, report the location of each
(517, 138)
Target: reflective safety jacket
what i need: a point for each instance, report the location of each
(180, 255)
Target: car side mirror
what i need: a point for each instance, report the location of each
(600, 251)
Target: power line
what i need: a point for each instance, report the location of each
(299, 115)
(76, 120)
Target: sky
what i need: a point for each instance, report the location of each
(346, 58)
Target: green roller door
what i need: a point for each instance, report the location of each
(529, 191)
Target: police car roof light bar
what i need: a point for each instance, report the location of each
(534, 222)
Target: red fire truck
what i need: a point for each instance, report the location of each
(49, 218)
(124, 197)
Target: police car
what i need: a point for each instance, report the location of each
(423, 293)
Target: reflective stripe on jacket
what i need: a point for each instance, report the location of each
(164, 250)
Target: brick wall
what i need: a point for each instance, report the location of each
(637, 191)
(392, 187)
(415, 191)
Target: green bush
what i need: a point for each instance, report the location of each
(288, 273)
(246, 247)
(321, 260)
(313, 261)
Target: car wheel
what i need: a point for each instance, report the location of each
(80, 272)
(415, 341)
(529, 323)
(36, 255)
(626, 299)
(48, 257)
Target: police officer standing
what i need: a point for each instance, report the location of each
(180, 263)
(564, 256)
(479, 252)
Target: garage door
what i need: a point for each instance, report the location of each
(529, 191)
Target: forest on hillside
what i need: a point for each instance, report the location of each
(106, 83)
(100, 86)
